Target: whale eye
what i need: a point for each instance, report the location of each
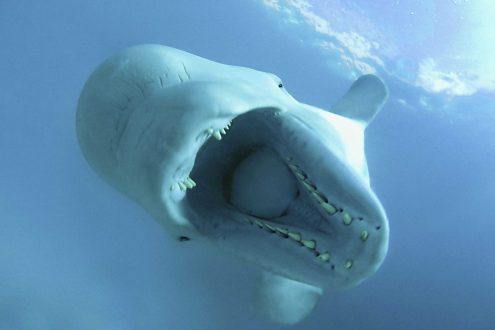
(280, 85)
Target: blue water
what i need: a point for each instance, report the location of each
(74, 254)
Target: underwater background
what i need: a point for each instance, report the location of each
(75, 254)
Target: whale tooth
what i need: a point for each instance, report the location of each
(282, 231)
(309, 186)
(223, 131)
(318, 196)
(324, 256)
(188, 183)
(310, 244)
(217, 135)
(347, 218)
(181, 185)
(329, 208)
(210, 130)
(364, 235)
(294, 168)
(300, 176)
(270, 227)
(172, 187)
(259, 223)
(191, 181)
(295, 236)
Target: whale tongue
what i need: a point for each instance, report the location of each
(262, 185)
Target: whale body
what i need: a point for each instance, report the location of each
(224, 155)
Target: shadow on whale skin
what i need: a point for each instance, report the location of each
(224, 155)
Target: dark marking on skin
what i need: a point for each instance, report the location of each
(185, 70)
(141, 136)
(184, 239)
(140, 89)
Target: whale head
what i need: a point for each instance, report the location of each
(225, 155)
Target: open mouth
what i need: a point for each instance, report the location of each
(259, 186)
(225, 155)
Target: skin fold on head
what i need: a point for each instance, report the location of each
(223, 155)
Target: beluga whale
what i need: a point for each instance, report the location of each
(224, 155)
